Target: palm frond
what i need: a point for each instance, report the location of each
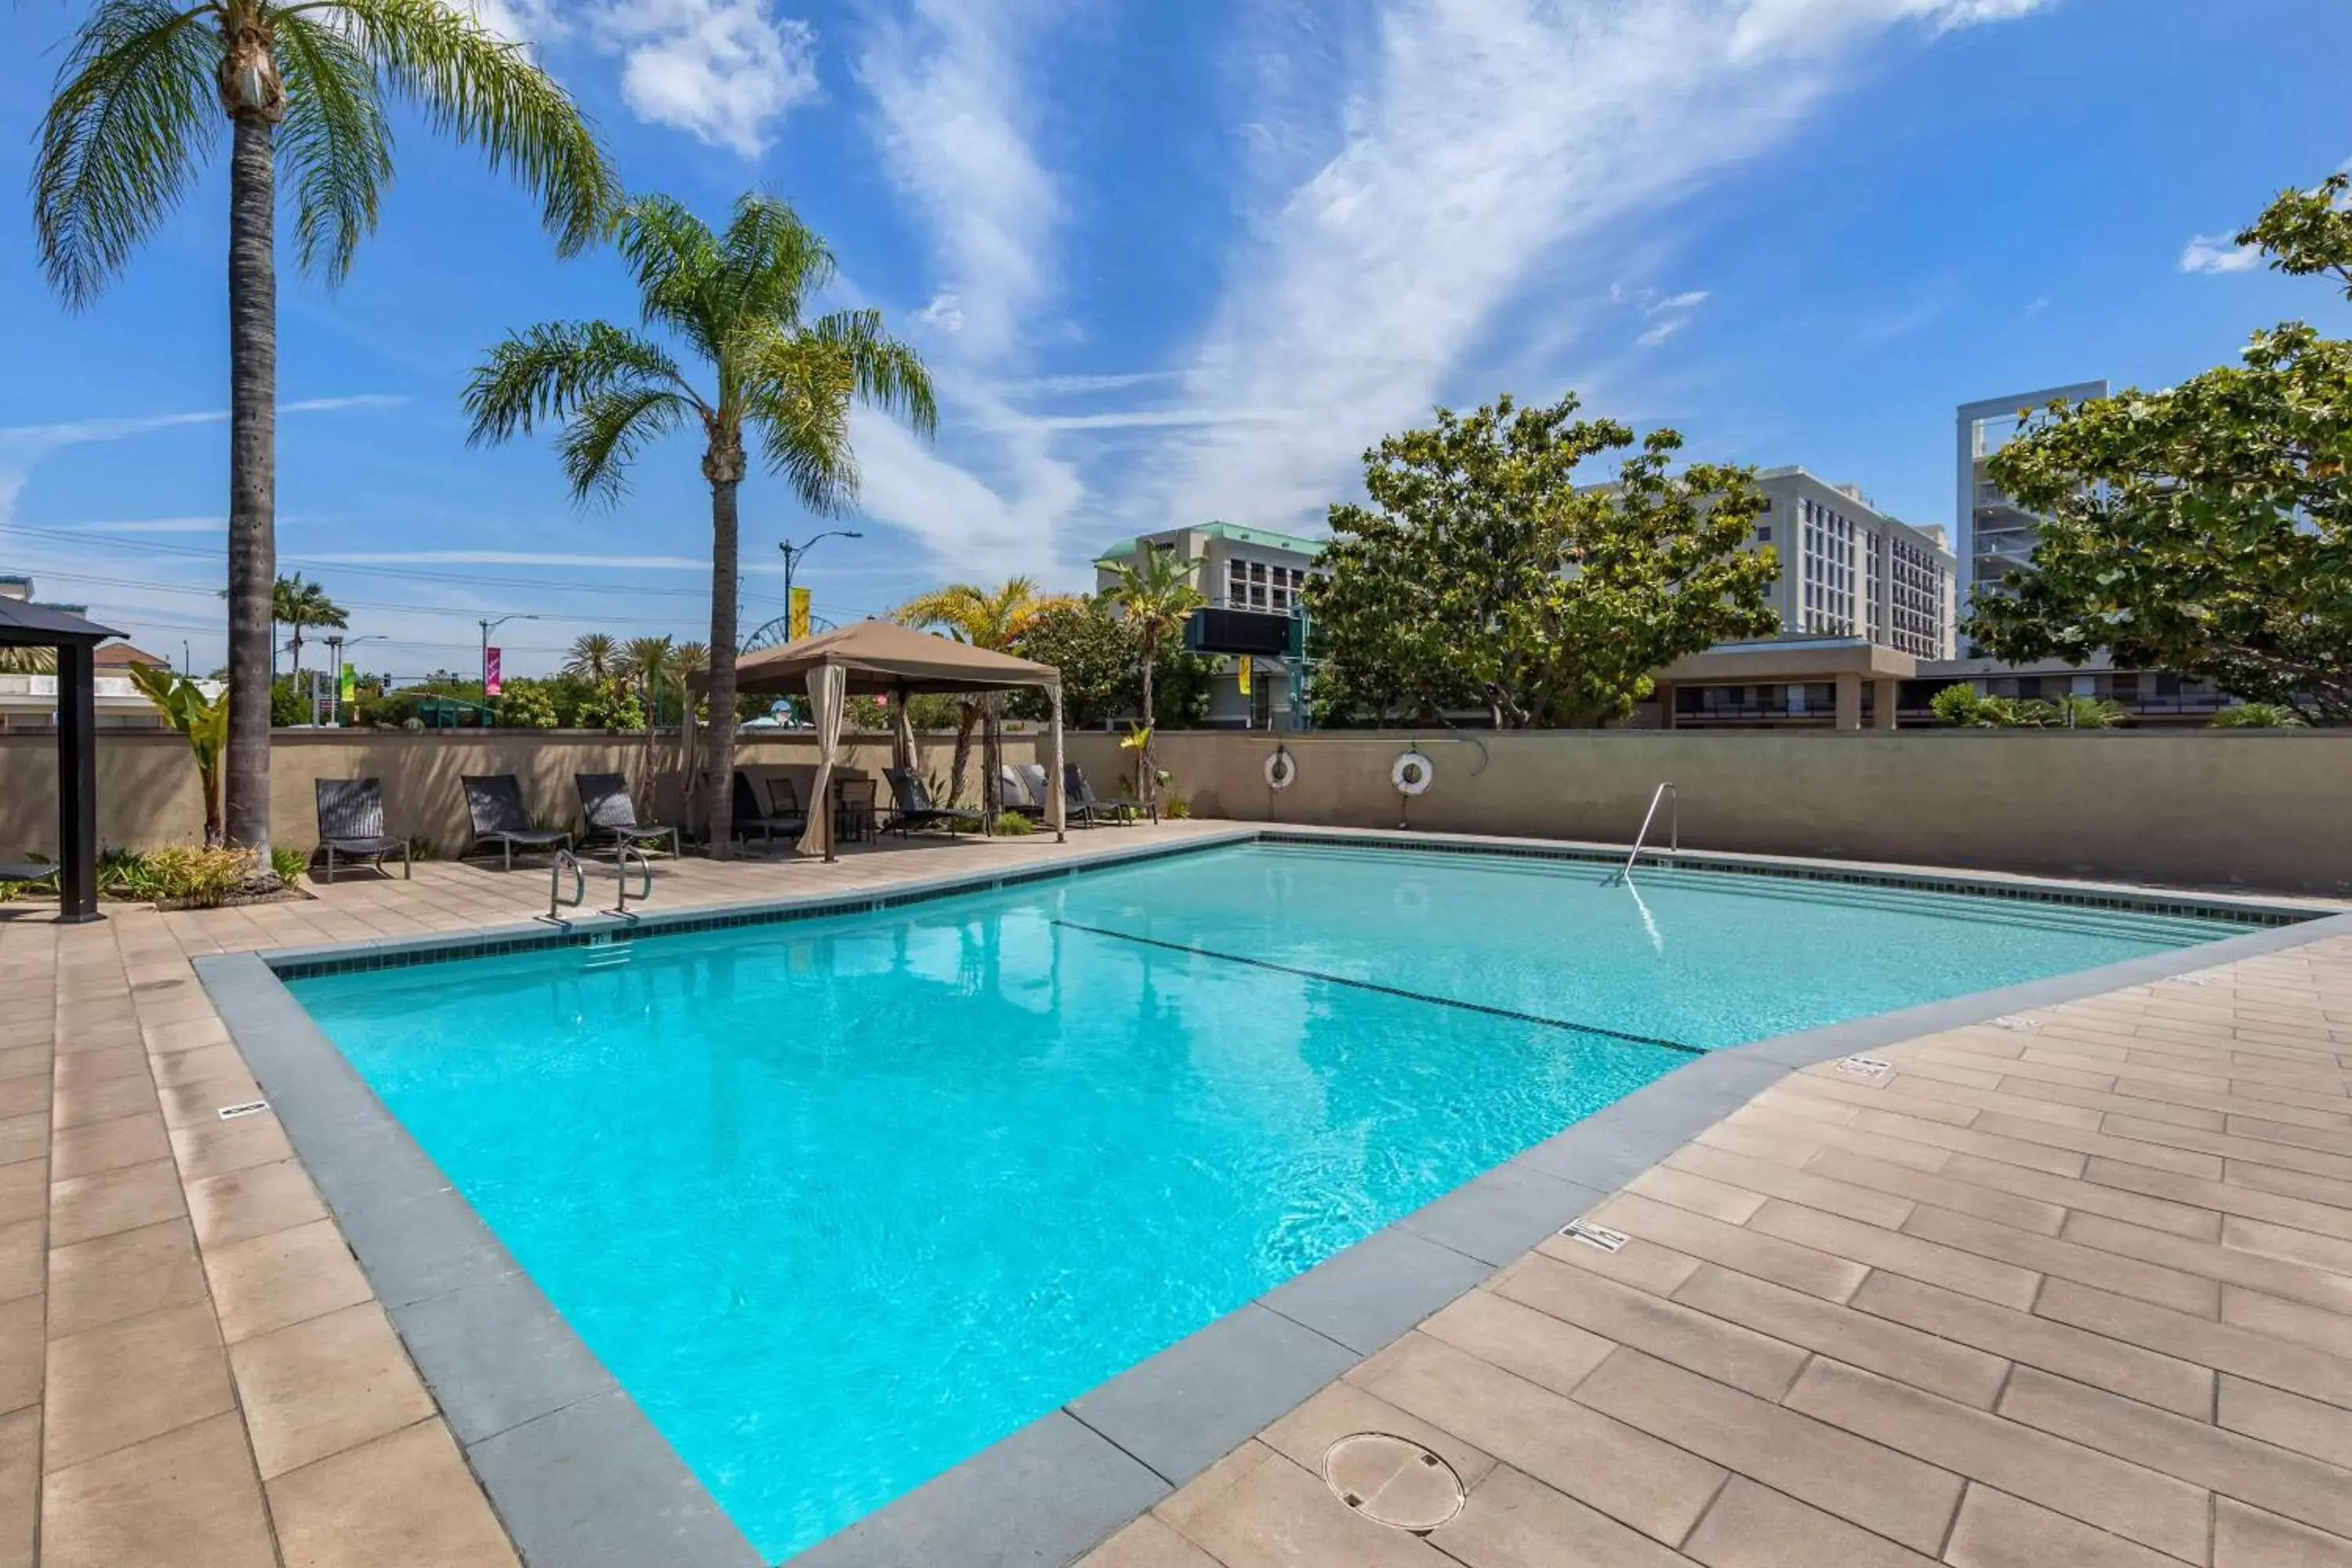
(774, 260)
(679, 268)
(335, 139)
(608, 431)
(485, 91)
(889, 376)
(799, 402)
(132, 120)
(550, 370)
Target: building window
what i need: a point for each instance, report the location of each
(1763, 533)
(1828, 564)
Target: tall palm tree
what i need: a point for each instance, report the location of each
(28, 661)
(127, 132)
(646, 663)
(593, 657)
(297, 602)
(972, 614)
(737, 302)
(1154, 592)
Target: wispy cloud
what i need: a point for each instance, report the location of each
(153, 525)
(507, 558)
(34, 439)
(1661, 331)
(2219, 253)
(1470, 143)
(1073, 386)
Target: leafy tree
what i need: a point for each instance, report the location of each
(308, 82)
(298, 603)
(988, 618)
(1094, 652)
(1482, 576)
(737, 302)
(2208, 529)
(593, 657)
(203, 720)
(526, 704)
(1154, 594)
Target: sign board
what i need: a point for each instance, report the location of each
(349, 690)
(797, 628)
(1242, 674)
(492, 682)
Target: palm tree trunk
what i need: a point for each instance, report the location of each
(1148, 774)
(724, 469)
(969, 714)
(253, 477)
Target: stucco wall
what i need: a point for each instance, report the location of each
(147, 793)
(2260, 809)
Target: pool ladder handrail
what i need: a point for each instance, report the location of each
(564, 860)
(1667, 793)
(621, 860)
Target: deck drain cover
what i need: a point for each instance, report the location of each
(1393, 1481)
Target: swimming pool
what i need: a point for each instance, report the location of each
(841, 1201)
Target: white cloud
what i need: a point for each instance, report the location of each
(507, 558)
(1467, 146)
(1690, 300)
(2219, 253)
(941, 313)
(155, 525)
(1661, 331)
(724, 70)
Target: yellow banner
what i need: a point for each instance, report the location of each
(1242, 671)
(799, 625)
(351, 684)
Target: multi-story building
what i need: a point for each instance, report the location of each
(1997, 536)
(1252, 579)
(28, 701)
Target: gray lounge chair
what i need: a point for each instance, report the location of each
(751, 818)
(25, 871)
(612, 815)
(495, 803)
(912, 806)
(1088, 806)
(350, 824)
(1013, 786)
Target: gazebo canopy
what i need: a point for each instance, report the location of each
(26, 625)
(879, 657)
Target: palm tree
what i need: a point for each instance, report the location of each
(126, 135)
(28, 661)
(593, 657)
(971, 614)
(647, 662)
(298, 602)
(735, 301)
(1156, 595)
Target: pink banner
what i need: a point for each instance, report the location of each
(490, 680)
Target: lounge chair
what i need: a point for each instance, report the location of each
(25, 871)
(854, 813)
(350, 824)
(913, 807)
(1013, 786)
(751, 818)
(612, 815)
(495, 802)
(1088, 806)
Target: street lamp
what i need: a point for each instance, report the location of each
(792, 554)
(487, 627)
(335, 647)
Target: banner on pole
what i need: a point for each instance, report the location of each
(490, 680)
(798, 627)
(1242, 673)
(349, 690)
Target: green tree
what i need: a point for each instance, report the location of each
(203, 720)
(523, 703)
(299, 603)
(1095, 652)
(1482, 576)
(738, 302)
(988, 618)
(1154, 594)
(646, 663)
(2205, 530)
(131, 124)
(28, 661)
(593, 657)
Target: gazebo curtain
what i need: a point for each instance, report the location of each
(902, 732)
(827, 683)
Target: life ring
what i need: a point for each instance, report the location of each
(1281, 769)
(1412, 773)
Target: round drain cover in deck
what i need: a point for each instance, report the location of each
(1393, 1481)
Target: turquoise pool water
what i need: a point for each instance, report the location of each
(841, 1202)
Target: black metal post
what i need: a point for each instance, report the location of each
(77, 784)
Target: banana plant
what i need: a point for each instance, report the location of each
(203, 720)
(1138, 740)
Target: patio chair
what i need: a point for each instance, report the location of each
(750, 816)
(350, 824)
(495, 802)
(1013, 786)
(913, 807)
(854, 813)
(1090, 807)
(612, 815)
(25, 871)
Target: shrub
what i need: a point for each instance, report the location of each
(289, 863)
(1959, 705)
(189, 873)
(526, 705)
(2258, 716)
(1015, 825)
(1176, 808)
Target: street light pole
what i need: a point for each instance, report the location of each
(792, 554)
(487, 627)
(335, 647)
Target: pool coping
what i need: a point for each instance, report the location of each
(581, 1477)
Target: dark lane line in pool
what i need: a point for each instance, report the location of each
(1389, 990)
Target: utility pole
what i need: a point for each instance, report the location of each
(792, 554)
(487, 627)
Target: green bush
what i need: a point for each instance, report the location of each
(1015, 825)
(526, 705)
(289, 864)
(177, 873)
(2258, 716)
(1176, 808)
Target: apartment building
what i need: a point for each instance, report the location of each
(1253, 578)
(1997, 536)
(28, 701)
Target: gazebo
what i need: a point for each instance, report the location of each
(24, 624)
(878, 658)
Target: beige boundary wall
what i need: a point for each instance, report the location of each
(2255, 809)
(2261, 809)
(147, 793)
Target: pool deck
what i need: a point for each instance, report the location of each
(2073, 1288)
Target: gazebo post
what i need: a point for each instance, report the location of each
(1057, 787)
(76, 783)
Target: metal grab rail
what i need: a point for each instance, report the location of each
(621, 860)
(556, 899)
(1665, 792)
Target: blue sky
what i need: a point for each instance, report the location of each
(1175, 259)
